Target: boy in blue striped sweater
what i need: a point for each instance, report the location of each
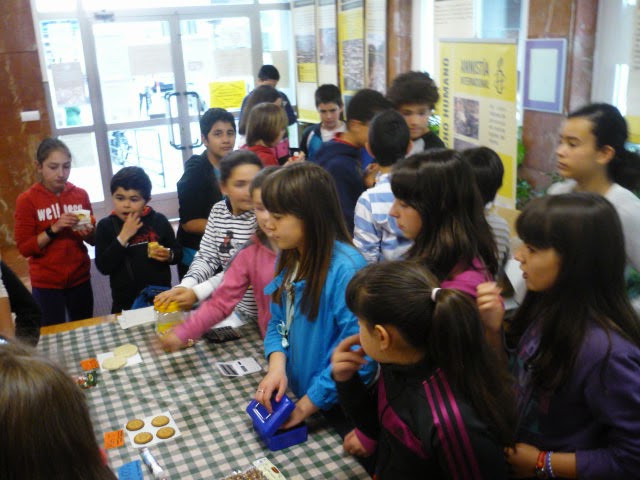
(376, 234)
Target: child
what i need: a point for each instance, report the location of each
(252, 266)
(198, 188)
(442, 407)
(231, 223)
(414, 95)
(24, 312)
(577, 355)
(592, 157)
(270, 76)
(265, 129)
(135, 244)
(488, 170)
(329, 105)
(47, 232)
(46, 428)
(308, 312)
(341, 156)
(262, 94)
(437, 205)
(376, 234)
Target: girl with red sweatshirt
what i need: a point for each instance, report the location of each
(47, 233)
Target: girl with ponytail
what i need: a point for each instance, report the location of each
(442, 405)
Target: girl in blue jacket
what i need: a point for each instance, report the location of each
(309, 316)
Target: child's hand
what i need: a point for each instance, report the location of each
(66, 220)
(185, 297)
(353, 446)
(345, 362)
(490, 305)
(297, 158)
(171, 343)
(521, 459)
(160, 253)
(129, 228)
(85, 230)
(274, 382)
(370, 173)
(304, 408)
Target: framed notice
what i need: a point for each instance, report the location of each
(544, 69)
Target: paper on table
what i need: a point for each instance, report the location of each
(130, 361)
(238, 368)
(140, 316)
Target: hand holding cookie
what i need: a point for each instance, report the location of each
(158, 252)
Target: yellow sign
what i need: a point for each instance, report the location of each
(307, 72)
(478, 102)
(227, 95)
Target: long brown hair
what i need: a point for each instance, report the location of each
(45, 428)
(448, 330)
(307, 192)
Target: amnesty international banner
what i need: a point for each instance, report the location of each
(351, 45)
(478, 102)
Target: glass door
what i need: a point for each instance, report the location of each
(127, 87)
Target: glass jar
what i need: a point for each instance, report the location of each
(167, 316)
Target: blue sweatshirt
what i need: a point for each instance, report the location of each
(311, 342)
(342, 161)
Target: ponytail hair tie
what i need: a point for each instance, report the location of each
(434, 293)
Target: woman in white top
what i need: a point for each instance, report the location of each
(592, 157)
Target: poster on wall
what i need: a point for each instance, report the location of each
(351, 46)
(478, 102)
(633, 92)
(327, 42)
(304, 27)
(376, 44)
(454, 18)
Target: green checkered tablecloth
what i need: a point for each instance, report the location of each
(209, 409)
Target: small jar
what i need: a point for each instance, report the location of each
(167, 316)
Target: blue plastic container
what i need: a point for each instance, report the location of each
(266, 424)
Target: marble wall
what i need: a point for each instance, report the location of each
(22, 90)
(576, 21)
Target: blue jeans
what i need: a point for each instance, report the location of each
(59, 305)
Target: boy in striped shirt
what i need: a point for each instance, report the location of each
(376, 234)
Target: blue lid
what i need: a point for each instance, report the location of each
(267, 423)
(130, 471)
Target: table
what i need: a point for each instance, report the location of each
(209, 409)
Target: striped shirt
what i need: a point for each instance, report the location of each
(376, 234)
(501, 235)
(224, 234)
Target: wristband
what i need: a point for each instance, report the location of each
(50, 233)
(547, 465)
(539, 470)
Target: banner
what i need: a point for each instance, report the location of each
(477, 107)
(351, 46)
(633, 92)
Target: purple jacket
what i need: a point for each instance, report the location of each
(596, 414)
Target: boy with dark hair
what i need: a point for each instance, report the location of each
(376, 234)
(269, 75)
(488, 170)
(198, 188)
(341, 155)
(414, 95)
(135, 244)
(329, 105)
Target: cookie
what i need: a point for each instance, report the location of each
(165, 432)
(125, 351)
(133, 425)
(142, 438)
(114, 363)
(160, 421)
